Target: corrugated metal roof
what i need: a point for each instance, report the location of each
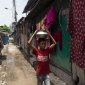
(30, 5)
(39, 7)
(19, 21)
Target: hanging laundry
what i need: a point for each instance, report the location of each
(58, 37)
(76, 27)
(50, 17)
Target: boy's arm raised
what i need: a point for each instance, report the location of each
(31, 38)
(54, 42)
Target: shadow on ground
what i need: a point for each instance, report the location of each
(2, 58)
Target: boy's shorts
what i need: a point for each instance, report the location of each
(43, 79)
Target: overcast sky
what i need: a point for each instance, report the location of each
(6, 15)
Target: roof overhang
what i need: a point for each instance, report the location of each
(39, 7)
(30, 4)
(20, 21)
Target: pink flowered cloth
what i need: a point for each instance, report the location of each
(76, 27)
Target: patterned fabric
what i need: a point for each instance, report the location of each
(76, 28)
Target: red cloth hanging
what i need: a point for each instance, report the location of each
(58, 37)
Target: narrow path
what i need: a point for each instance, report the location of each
(16, 70)
(19, 71)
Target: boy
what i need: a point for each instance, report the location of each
(42, 57)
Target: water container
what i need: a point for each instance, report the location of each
(42, 34)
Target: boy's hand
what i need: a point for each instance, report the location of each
(47, 31)
(37, 31)
(33, 36)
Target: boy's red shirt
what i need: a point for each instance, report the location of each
(42, 57)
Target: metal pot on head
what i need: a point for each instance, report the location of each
(42, 34)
